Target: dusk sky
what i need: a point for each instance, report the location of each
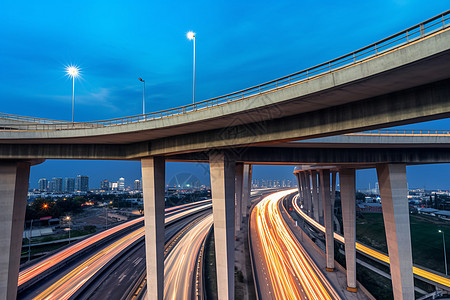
(238, 44)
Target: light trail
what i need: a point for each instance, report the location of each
(65, 287)
(370, 252)
(180, 264)
(289, 266)
(57, 258)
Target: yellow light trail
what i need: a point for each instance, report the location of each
(373, 253)
(65, 287)
(288, 265)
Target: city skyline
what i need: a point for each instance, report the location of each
(421, 176)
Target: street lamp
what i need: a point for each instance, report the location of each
(143, 97)
(73, 71)
(68, 220)
(445, 253)
(191, 36)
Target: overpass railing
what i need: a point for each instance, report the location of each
(417, 132)
(410, 35)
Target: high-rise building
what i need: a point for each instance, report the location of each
(104, 185)
(137, 185)
(82, 183)
(57, 185)
(69, 185)
(43, 184)
(121, 184)
(51, 186)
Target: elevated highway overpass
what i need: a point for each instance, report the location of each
(402, 79)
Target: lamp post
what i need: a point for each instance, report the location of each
(445, 253)
(143, 97)
(68, 220)
(191, 36)
(73, 72)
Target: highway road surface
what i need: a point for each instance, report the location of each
(283, 268)
(371, 252)
(68, 285)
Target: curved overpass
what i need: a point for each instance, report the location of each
(402, 79)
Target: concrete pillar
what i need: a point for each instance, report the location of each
(222, 172)
(153, 181)
(249, 185)
(328, 217)
(246, 189)
(299, 185)
(348, 203)
(315, 196)
(239, 193)
(333, 189)
(14, 177)
(394, 193)
(301, 177)
(308, 200)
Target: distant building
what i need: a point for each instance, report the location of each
(43, 184)
(51, 186)
(104, 185)
(57, 185)
(69, 185)
(82, 183)
(113, 186)
(121, 184)
(137, 185)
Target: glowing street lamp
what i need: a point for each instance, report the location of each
(73, 71)
(445, 253)
(68, 220)
(143, 97)
(191, 36)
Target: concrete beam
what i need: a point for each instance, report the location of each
(367, 156)
(347, 184)
(239, 194)
(14, 177)
(153, 183)
(222, 172)
(394, 201)
(328, 217)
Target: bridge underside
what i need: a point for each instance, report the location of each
(423, 103)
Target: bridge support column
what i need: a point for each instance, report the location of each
(222, 172)
(347, 182)
(328, 217)
(239, 193)
(301, 188)
(246, 189)
(153, 181)
(308, 200)
(14, 177)
(394, 192)
(315, 196)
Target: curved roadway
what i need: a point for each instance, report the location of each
(283, 268)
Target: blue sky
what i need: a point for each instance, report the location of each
(238, 44)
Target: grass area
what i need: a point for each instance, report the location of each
(54, 237)
(427, 245)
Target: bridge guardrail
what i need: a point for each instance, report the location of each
(421, 132)
(412, 34)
